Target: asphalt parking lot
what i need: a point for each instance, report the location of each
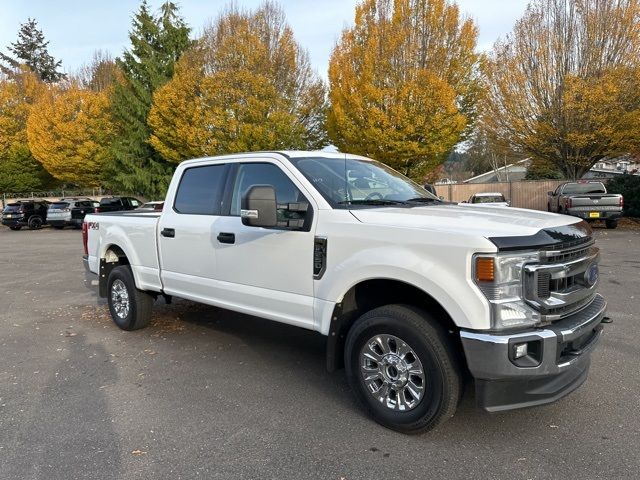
(207, 393)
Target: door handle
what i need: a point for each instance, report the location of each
(224, 237)
(168, 232)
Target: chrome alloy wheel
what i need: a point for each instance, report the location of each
(120, 298)
(392, 372)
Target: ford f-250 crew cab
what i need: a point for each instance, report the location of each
(588, 200)
(413, 293)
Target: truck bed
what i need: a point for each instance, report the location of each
(136, 234)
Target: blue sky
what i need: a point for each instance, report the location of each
(75, 29)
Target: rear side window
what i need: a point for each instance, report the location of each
(110, 201)
(58, 206)
(200, 190)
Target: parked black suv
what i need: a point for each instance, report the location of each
(69, 212)
(25, 213)
(115, 204)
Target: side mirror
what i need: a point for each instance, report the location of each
(259, 208)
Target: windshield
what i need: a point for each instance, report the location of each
(347, 182)
(584, 188)
(488, 199)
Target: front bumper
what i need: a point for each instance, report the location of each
(558, 364)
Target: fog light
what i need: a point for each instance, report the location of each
(520, 350)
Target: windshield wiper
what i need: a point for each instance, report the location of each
(373, 201)
(423, 200)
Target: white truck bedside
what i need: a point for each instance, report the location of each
(412, 293)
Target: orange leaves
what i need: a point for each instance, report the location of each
(247, 85)
(403, 83)
(69, 132)
(564, 87)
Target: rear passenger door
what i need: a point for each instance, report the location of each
(187, 233)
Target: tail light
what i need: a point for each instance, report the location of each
(158, 207)
(96, 210)
(621, 201)
(568, 204)
(85, 237)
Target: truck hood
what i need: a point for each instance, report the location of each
(488, 222)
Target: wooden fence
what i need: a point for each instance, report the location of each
(526, 194)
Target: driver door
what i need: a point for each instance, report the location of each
(268, 270)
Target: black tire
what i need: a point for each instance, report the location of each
(443, 384)
(611, 224)
(548, 207)
(58, 227)
(15, 227)
(140, 303)
(35, 223)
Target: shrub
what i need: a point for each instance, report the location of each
(629, 187)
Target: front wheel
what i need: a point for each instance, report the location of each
(15, 227)
(130, 308)
(611, 224)
(402, 366)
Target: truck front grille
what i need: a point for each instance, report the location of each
(564, 280)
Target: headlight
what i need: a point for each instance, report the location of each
(499, 277)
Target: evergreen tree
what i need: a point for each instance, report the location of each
(31, 49)
(156, 43)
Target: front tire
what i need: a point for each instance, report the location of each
(611, 224)
(16, 227)
(402, 367)
(130, 308)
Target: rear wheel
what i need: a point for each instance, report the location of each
(403, 368)
(611, 224)
(35, 223)
(130, 308)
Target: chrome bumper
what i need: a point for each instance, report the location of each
(559, 365)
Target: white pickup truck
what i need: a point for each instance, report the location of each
(415, 295)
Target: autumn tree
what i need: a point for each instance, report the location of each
(31, 50)
(19, 170)
(403, 83)
(98, 74)
(157, 41)
(564, 86)
(247, 85)
(70, 133)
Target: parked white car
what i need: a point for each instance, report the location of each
(489, 199)
(411, 292)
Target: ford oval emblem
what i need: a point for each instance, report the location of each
(591, 275)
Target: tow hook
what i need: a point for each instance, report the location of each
(606, 320)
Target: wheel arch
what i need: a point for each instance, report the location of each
(372, 293)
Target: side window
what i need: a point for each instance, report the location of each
(200, 190)
(250, 174)
(134, 203)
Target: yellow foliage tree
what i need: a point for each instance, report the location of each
(403, 83)
(19, 171)
(247, 85)
(69, 132)
(564, 87)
